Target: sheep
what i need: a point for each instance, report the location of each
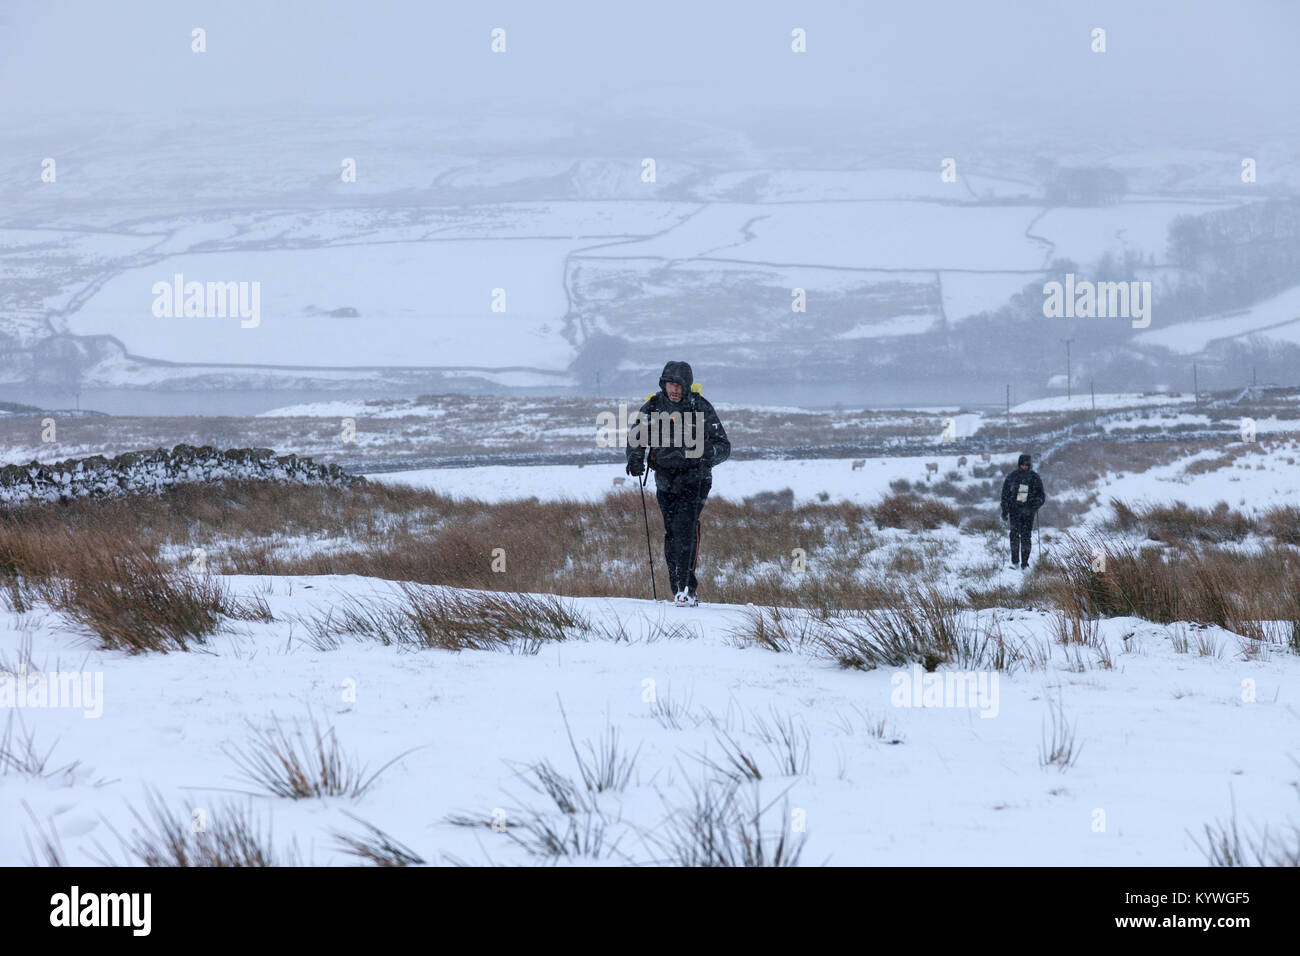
(858, 463)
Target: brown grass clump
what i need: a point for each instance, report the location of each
(1282, 523)
(924, 625)
(454, 621)
(1225, 844)
(1183, 524)
(913, 513)
(1097, 576)
(126, 596)
(297, 766)
(375, 847)
(229, 836)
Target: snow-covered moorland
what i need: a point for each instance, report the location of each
(1115, 751)
(339, 701)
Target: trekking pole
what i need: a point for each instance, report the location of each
(650, 558)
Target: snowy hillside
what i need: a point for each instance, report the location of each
(468, 251)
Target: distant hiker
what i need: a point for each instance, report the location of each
(1022, 496)
(686, 439)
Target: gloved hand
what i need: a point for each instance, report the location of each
(1004, 519)
(635, 466)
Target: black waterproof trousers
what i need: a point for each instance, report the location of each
(681, 497)
(1022, 526)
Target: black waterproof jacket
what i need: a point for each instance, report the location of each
(1022, 493)
(668, 457)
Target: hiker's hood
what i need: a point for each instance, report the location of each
(1025, 460)
(679, 372)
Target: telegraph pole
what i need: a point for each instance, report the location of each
(1196, 391)
(1068, 393)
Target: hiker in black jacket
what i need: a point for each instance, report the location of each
(1022, 496)
(685, 439)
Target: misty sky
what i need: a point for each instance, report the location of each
(1210, 60)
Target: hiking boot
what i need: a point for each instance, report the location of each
(682, 598)
(1024, 566)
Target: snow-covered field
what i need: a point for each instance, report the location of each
(1105, 402)
(1251, 483)
(1274, 318)
(735, 480)
(1173, 726)
(789, 185)
(1141, 227)
(1265, 477)
(444, 212)
(1165, 742)
(880, 235)
(416, 304)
